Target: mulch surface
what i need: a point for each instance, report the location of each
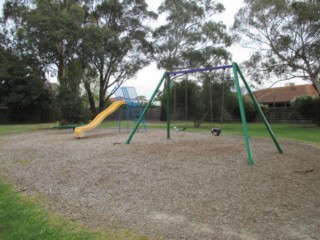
(193, 186)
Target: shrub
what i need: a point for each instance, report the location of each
(308, 107)
(265, 109)
(71, 107)
(249, 109)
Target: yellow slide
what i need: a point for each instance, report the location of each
(79, 131)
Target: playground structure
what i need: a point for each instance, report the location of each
(216, 131)
(236, 72)
(79, 131)
(125, 96)
(133, 105)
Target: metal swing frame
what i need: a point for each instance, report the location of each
(236, 72)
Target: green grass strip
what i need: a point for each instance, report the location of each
(282, 131)
(294, 132)
(17, 128)
(21, 218)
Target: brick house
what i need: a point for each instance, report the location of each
(282, 96)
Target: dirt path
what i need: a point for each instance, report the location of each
(194, 186)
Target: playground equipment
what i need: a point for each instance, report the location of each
(133, 105)
(179, 129)
(125, 96)
(79, 131)
(236, 72)
(216, 131)
(220, 80)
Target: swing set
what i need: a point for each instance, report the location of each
(236, 72)
(216, 130)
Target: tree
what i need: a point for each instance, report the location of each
(107, 39)
(217, 96)
(47, 33)
(185, 95)
(285, 36)
(22, 89)
(190, 38)
(308, 107)
(70, 102)
(46, 30)
(116, 44)
(207, 96)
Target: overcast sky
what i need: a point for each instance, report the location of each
(148, 78)
(1, 3)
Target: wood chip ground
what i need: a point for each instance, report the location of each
(193, 186)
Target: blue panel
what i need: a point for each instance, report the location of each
(134, 107)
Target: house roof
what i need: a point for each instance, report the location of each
(284, 94)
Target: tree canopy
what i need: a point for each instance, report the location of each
(107, 42)
(48, 31)
(116, 43)
(190, 38)
(21, 87)
(284, 36)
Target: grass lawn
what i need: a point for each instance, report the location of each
(285, 131)
(16, 128)
(22, 218)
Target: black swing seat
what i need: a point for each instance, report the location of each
(179, 129)
(216, 131)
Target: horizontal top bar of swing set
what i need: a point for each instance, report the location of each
(199, 70)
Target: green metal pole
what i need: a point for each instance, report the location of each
(168, 105)
(243, 115)
(255, 102)
(146, 108)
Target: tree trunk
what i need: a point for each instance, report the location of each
(102, 93)
(197, 123)
(91, 99)
(61, 74)
(101, 101)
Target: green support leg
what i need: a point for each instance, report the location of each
(146, 108)
(168, 106)
(255, 102)
(243, 115)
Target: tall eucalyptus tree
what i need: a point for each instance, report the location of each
(116, 43)
(190, 38)
(284, 36)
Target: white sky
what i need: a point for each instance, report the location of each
(148, 78)
(1, 4)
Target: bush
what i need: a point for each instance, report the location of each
(71, 107)
(265, 109)
(308, 107)
(249, 109)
